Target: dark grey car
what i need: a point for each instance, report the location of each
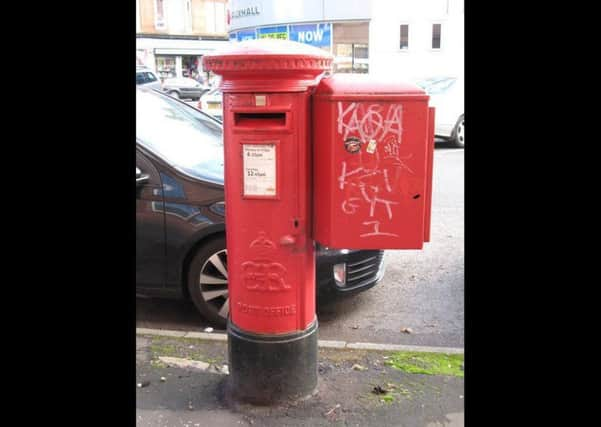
(180, 225)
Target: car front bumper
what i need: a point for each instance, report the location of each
(363, 270)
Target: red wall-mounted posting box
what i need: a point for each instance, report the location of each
(372, 164)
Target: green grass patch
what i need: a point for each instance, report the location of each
(187, 348)
(427, 363)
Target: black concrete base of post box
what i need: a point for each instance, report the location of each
(265, 369)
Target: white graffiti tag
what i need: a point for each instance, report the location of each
(369, 192)
(373, 178)
(377, 231)
(367, 123)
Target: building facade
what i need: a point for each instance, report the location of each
(173, 35)
(392, 39)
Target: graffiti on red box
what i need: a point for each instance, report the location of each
(376, 173)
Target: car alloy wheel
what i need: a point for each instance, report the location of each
(174, 94)
(213, 283)
(208, 281)
(460, 133)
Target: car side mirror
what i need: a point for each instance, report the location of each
(141, 178)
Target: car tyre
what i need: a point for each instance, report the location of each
(207, 281)
(174, 94)
(458, 137)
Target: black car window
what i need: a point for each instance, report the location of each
(150, 77)
(183, 136)
(140, 79)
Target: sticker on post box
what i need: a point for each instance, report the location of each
(259, 169)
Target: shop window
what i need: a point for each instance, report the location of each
(351, 58)
(165, 66)
(350, 47)
(404, 36)
(436, 36)
(190, 66)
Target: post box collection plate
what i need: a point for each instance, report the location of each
(260, 170)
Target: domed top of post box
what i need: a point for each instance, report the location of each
(268, 64)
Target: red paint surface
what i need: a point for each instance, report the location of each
(271, 256)
(429, 174)
(379, 196)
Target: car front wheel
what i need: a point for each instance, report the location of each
(459, 133)
(174, 94)
(208, 281)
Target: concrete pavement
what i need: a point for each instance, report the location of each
(347, 392)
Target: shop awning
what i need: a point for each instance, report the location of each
(181, 51)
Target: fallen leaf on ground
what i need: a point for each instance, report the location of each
(354, 327)
(358, 367)
(407, 330)
(143, 384)
(332, 410)
(163, 379)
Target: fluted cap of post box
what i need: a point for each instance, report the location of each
(268, 64)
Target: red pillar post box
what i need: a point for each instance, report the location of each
(272, 328)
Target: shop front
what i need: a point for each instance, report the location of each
(341, 28)
(175, 58)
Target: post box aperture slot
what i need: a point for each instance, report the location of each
(260, 120)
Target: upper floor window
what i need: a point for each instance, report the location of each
(436, 36)
(404, 36)
(159, 14)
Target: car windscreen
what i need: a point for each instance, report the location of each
(190, 141)
(436, 85)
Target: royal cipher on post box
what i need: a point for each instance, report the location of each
(372, 163)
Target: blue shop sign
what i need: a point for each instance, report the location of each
(318, 35)
(280, 32)
(246, 35)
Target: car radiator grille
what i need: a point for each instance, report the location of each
(363, 270)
